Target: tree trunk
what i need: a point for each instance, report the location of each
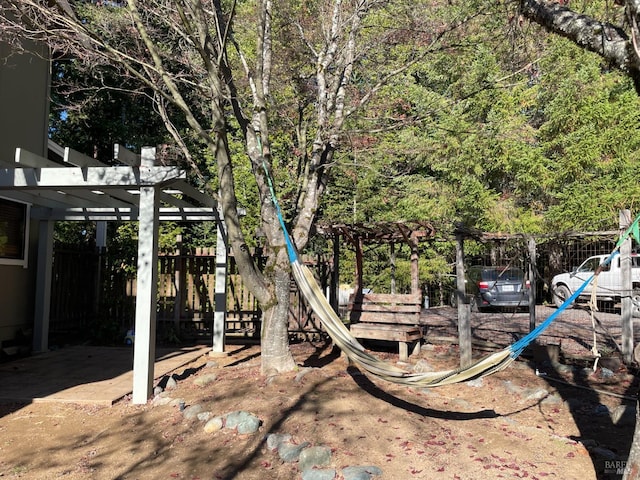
(276, 355)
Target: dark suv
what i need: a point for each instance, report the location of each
(496, 287)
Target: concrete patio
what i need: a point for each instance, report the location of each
(85, 374)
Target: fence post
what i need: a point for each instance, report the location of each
(531, 244)
(627, 290)
(179, 278)
(464, 310)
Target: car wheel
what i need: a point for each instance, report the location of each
(560, 294)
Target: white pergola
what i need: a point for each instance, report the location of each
(80, 188)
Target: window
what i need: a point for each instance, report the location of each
(14, 232)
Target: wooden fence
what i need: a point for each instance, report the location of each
(93, 295)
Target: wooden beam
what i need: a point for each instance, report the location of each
(194, 193)
(190, 214)
(24, 158)
(126, 157)
(78, 159)
(55, 148)
(175, 201)
(92, 177)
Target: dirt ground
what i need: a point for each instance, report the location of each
(513, 424)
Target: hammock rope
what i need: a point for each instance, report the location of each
(356, 353)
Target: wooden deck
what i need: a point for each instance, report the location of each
(84, 374)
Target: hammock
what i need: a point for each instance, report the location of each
(356, 353)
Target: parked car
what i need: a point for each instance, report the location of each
(494, 286)
(609, 284)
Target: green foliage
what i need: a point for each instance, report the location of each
(486, 121)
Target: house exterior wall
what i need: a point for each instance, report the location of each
(24, 107)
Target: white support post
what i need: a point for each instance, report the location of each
(626, 317)
(220, 299)
(147, 289)
(43, 287)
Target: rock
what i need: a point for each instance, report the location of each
(274, 440)
(423, 366)
(161, 399)
(213, 425)
(205, 380)
(243, 422)
(476, 383)
(624, 415)
(319, 456)
(313, 474)
(360, 473)
(204, 416)
(289, 452)
(211, 364)
(157, 390)
(606, 373)
(192, 411)
(171, 384)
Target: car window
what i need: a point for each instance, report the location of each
(591, 265)
(502, 274)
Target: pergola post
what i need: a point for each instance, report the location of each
(147, 289)
(220, 298)
(415, 268)
(43, 287)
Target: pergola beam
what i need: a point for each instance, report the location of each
(97, 178)
(192, 214)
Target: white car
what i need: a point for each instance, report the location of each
(608, 285)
